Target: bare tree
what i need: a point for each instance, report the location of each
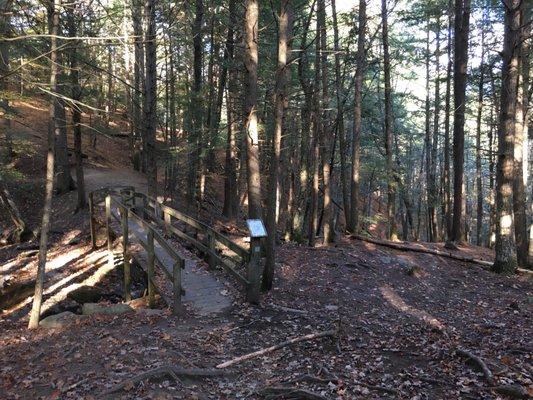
(54, 130)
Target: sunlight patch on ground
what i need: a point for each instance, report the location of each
(92, 280)
(396, 301)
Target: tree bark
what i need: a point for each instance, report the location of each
(461, 23)
(280, 95)
(505, 260)
(54, 130)
(251, 25)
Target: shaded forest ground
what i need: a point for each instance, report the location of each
(401, 316)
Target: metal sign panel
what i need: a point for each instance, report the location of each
(256, 228)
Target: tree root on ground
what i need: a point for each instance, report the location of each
(165, 371)
(292, 393)
(479, 362)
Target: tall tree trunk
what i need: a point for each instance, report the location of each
(461, 23)
(300, 199)
(427, 141)
(317, 134)
(196, 135)
(280, 95)
(109, 94)
(251, 25)
(494, 114)
(150, 100)
(5, 28)
(358, 103)
(520, 146)
(138, 73)
(325, 138)
(340, 116)
(76, 111)
(231, 200)
(389, 126)
(432, 193)
(479, 183)
(447, 199)
(53, 131)
(505, 260)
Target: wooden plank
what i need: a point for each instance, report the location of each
(228, 267)
(237, 249)
(151, 265)
(157, 236)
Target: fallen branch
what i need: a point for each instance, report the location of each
(287, 309)
(160, 372)
(479, 362)
(270, 349)
(290, 393)
(407, 247)
(513, 391)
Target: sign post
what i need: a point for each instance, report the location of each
(257, 231)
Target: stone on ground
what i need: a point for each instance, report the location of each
(59, 320)
(108, 309)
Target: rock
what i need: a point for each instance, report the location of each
(111, 309)
(59, 320)
(86, 294)
(150, 312)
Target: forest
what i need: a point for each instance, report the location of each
(283, 199)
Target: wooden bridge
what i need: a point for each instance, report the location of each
(151, 231)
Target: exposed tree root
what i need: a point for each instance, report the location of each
(270, 349)
(479, 362)
(407, 247)
(513, 391)
(165, 371)
(292, 393)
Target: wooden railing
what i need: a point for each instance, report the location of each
(164, 216)
(142, 209)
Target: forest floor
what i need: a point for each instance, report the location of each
(403, 323)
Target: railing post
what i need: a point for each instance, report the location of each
(108, 230)
(176, 274)
(211, 245)
(127, 267)
(151, 269)
(253, 271)
(167, 223)
(92, 221)
(145, 205)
